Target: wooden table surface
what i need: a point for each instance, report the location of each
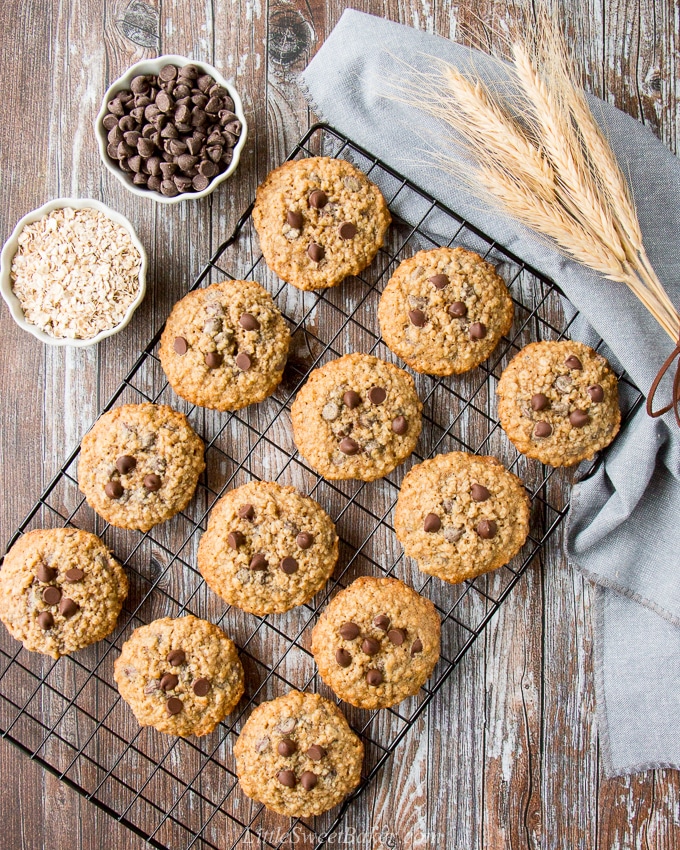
(508, 755)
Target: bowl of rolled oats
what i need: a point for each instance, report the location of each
(73, 272)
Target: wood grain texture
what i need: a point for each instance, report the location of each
(508, 755)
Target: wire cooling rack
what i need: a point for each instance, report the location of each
(178, 793)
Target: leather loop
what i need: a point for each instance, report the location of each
(675, 400)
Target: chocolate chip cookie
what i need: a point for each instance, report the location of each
(60, 590)
(559, 402)
(444, 311)
(377, 642)
(225, 346)
(139, 465)
(267, 548)
(356, 417)
(298, 755)
(319, 220)
(460, 515)
(182, 676)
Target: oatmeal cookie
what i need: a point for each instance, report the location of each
(225, 346)
(267, 548)
(444, 311)
(61, 589)
(181, 676)
(377, 642)
(559, 402)
(460, 515)
(356, 417)
(139, 465)
(319, 220)
(298, 755)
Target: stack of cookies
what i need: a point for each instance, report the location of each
(269, 548)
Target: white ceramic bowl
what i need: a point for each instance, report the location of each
(10, 249)
(153, 66)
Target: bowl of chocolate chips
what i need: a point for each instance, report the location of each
(171, 129)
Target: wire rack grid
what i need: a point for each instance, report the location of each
(183, 793)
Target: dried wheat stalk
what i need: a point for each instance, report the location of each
(551, 168)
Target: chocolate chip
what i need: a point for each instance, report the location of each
(318, 199)
(200, 182)
(287, 778)
(377, 395)
(396, 636)
(294, 219)
(477, 330)
(400, 425)
(539, 401)
(348, 446)
(479, 493)
(67, 607)
(370, 646)
(315, 752)
(45, 573)
(51, 595)
(45, 620)
(169, 681)
(416, 647)
(487, 528)
(169, 189)
(243, 361)
(374, 678)
(289, 565)
(109, 122)
(246, 511)
(542, 429)
(207, 169)
(458, 309)
(74, 574)
(152, 482)
(432, 523)
(249, 322)
(204, 82)
(258, 562)
(180, 345)
(113, 489)
(235, 539)
(351, 399)
(167, 73)
(343, 658)
(287, 725)
(382, 621)
(315, 252)
(125, 464)
(164, 101)
(347, 230)
(596, 393)
(579, 418)
(417, 318)
(139, 84)
(213, 359)
(439, 281)
(286, 747)
(572, 362)
(174, 705)
(186, 162)
(201, 687)
(304, 540)
(176, 657)
(349, 631)
(308, 780)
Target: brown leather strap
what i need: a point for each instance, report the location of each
(675, 402)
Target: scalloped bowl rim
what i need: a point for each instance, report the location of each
(153, 66)
(10, 248)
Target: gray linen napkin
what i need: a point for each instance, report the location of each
(624, 524)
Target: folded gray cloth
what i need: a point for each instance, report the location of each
(624, 524)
